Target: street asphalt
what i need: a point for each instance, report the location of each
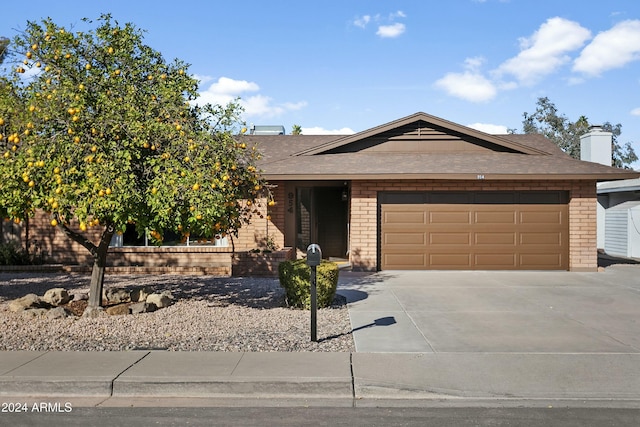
(427, 339)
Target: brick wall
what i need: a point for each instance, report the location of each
(582, 214)
(63, 250)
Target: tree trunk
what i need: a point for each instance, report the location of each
(97, 281)
(99, 264)
(99, 254)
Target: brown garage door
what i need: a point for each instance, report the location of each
(474, 231)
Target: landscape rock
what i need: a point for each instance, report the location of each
(56, 297)
(80, 296)
(117, 310)
(26, 302)
(57, 313)
(142, 307)
(140, 294)
(116, 295)
(93, 312)
(159, 300)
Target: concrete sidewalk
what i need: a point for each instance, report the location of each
(319, 379)
(422, 339)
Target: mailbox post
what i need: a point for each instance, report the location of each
(314, 258)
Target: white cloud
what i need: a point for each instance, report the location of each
(391, 31)
(398, 14)
(225, 90)
(321, 131)
(635, 112)
(610, 49)
(546, 50)
(469, 85)
(362, 21)
(489, 128)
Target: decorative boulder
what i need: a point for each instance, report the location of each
(117, 310)
(57, 313)
(56, 297)
(93, 312)
(116, 295)
(26, 302)
(141, 307)
(80, 296)
(140, 294)
(159, 300)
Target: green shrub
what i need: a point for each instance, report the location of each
(12, 254)
(295, 278)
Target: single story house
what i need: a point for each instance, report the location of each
(419, 192)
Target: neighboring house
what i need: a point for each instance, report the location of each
(415, 193)
(618, 201)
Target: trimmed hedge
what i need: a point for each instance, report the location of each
(295, 278)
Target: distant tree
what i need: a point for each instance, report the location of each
(103, 136)
(566, 134)
(296, 130)
(4, 48)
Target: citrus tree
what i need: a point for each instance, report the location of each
(99, 131)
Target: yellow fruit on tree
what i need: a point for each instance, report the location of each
(83, 226)
(54, 222)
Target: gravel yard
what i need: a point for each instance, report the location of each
(209, 314)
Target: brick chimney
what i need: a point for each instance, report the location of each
(595, 146)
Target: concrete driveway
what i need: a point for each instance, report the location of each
(495, 312)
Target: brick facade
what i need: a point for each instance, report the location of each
(61, 249)
(364, 215)
(363, 239)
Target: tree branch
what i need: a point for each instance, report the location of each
(79, 238)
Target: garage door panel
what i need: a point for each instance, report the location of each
(450, 261)
(495, 260)
(541, 238)
(551, 218)
(449, 238)
(542, 261)
(474, 236)
(405, 218)
(453, 217)
(495, 217)
(405, 260)
(393, 238)
(493, 238)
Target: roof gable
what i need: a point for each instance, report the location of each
(421, 133)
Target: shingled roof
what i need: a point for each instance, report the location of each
(422, 146)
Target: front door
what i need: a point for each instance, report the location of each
(322, 218)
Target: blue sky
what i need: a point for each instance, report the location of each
(345, 66)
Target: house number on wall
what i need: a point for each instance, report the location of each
(480, 176)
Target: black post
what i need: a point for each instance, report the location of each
(314, 306)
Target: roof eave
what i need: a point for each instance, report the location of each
(453, 176)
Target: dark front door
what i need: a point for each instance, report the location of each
(322, 217)
(331, 217)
